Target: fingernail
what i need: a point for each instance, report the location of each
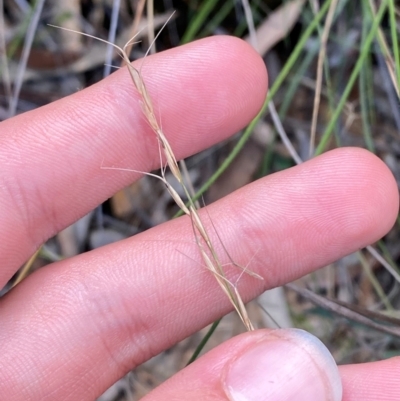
(284, 365)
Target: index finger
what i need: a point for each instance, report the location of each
(51, 158)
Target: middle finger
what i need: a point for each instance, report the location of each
(94, 317)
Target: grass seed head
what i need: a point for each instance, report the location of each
(203, 241)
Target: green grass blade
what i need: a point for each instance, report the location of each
(374, 281)
(215, 21)
(203, 342)
(395, 40)
(363, 84)
(295, 81)
(353, 77)
(386, 254)
(272, 92)
(197, 22)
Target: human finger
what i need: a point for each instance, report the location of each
(265, 365)
(371, 381)
(51, 158)
(96, 316)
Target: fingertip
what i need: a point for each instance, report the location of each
(242, 55)
(371, 381)
(377, 197)
(233, 52)
(283, 364)
(318, 212)
(260, 365)
(235, 79)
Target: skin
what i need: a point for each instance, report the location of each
(71, 329)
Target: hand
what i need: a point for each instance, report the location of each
(71, 329)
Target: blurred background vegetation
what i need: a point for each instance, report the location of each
(334, 71)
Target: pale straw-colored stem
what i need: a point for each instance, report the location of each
(207, 251)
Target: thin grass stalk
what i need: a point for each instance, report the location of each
(296, 80)
(271, 93)
(390, 267)
(361, 316)
(282, 133)
(199, 18)
(17, 40)
(266, 163)
(385, 48)
(271, 106)
(30, 34)
(216, 20)
(330, 93)
(366, 124)
(136, 21)
(391, 68)
(203, 342)
(204, 243)
(386, 52)
(207, 251)
(375, 283)
(395, 40)
(4, 70)
(388, 259)
(188, 182)
(150, 26)
(24, 271)
(363, 88)
(112, 33)
(321, 60)
(364, 263)
(354, 75)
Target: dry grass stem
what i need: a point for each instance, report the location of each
(203, 240)
(390, 63)
(321, 59)
(136, 22)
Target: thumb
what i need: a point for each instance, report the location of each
(273, 365)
